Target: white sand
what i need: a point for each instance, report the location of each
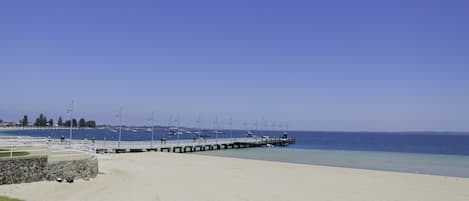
(186, 177)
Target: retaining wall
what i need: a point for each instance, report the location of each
(37, 168)
(22, 170)
(78, 169)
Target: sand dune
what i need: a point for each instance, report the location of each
(184, 177)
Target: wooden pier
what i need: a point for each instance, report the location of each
(183, 146)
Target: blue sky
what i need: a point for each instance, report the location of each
(320, 65)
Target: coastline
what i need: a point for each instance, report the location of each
(174, 177)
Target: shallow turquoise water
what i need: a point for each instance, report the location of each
(434, 164)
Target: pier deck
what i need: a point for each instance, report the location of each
(183, 146)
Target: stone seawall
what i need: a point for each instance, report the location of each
(22, 170)
(78, 169)
(37, 168)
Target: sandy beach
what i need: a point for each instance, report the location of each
(182, 177)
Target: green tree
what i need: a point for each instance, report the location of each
(24, 121)
(60, 122)
(44, 121)
(37, 122)
(51, 122)
(91, 124)
(41, 121)
(67, 123)
(82, 122)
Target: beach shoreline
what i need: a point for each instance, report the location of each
(174, 177)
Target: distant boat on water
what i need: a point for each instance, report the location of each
(249, 133)
(218, 132)
(173, 130)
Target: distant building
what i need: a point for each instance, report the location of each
(9, 124)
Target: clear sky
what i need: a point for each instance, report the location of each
(320, 65)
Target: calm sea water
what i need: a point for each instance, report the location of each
(424, 152)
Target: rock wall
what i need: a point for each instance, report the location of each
(22, 170)
(32, 169)
(77, 169)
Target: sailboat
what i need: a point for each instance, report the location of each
(197, 124)
(217, 130)
(172, 130)
(285, 133)
(249, 133)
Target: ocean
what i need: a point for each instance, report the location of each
(435, 153)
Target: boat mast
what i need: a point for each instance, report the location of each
(152, 128)
(70, 110)
(231, 128)
(170, 123)
(216, 128)
(120, 127)
(262, 126)
(286, 129)
(198, 126)
(177, 126)
(256, 126)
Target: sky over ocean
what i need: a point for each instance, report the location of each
(320, 65)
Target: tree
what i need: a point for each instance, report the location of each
(24, 121)
(60, 122)
(41, 121)
(91, 124)
(82, 122)
(51, 122)
(67, 123)
(37, 122)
